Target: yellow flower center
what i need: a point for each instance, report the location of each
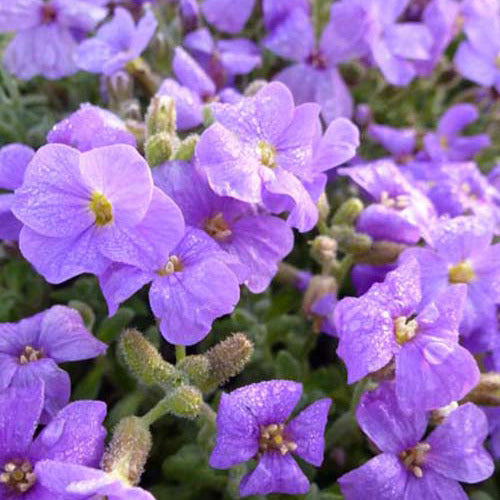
(271, 438)
(102, 209)
(218, 228)
(461, 273)
(398, 202)
(404, 329)
(30, 354)
(174, 265)
(267, 153)
(443, 142)
(18, 476)
(414, 458)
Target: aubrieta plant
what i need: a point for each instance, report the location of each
(249, 249)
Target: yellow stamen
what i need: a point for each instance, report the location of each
(102, 209)
(404, 329)
(267, 154)
(461, 273)
(174, 265)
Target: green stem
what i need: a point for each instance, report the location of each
(154, 414)
(180, 353)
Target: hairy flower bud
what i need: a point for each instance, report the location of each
(185, 151)
(186, 402)
(348, 212)
(128, 450)
(319, 287)
(323, 249)
(380, 253)
(349, 241)
(145, 362)
(160, 148)
(161, 116)
(487, 392)
(220, 363)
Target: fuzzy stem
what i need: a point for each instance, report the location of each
(180, 352)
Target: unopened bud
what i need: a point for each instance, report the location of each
(137, 129)
(85, 311)
(161, 116)
(440, 414)
(290, 275)
(185, 151)
(142, 72)
(254, 87)
(319, 287)
(323, 208)
(349, 241)
(323, 249)
(160, 148)
(128, 450)
(185, 402)
(208, 116)
(487, 392)
(348, 212)
(223, 361)
(120, 87)
(145, 362)
(380, 253)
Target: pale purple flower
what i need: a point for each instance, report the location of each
(191, 286)
(91, 127)
(400, 212)
(116, 43)
(226, 16)
(275, 11)
(252, 423)
(254, 241)
(80, 210)
(460, 251)
(47, 34)
(76, 482)
(313, 77)
(493, 414)
(411, 465)
(400, 142)
(388, 323)
(260, 150)
(363, 276)
(14, 159)
(446, 144)
(74, 436)
(31, 350)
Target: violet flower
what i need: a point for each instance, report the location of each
(388, 322)
(74, 436)
(91, 127)
(493, 414)
(412, 466)
(252, 423)
(225, 16)
(14, 159)
(31, 350)
(254, 241)
(400, 142)
(47, 34)
(260, 150)
(81, 210)
(116, 43)
(447, 144)
(460, 251)
(276, 11)
(191, 285)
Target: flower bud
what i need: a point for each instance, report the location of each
(128, 450)
(290, 275)
(145, 362)
(208, 116)
(142, 73)
(349, 241)
(348, 212)
(185, 151)
(161, 116)
(323, 208)
(160, 148)
(323, 250)
(319, 287)
(440, 414)
(120, 87)
(380, 253)
(185, 401)
(487, 392)
(223, 361)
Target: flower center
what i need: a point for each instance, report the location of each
(461, 273)
(414, 458)
(271, 438)
(18, 475)
(443, 142)
(317, 59)
(218, 228)
(405, 329)
(267, 153)
(174, 265)
(497, 61)
(102, 209)
(49, 13)
(30, 354)
(399, 202)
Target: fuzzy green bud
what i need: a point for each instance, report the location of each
(223, 361)
(380, 253)
(186, 402)
(208, 116)
(145, 362)
(160, 148)
(349, 241)
(319, 287)
(128, 450)
(185, 152)
(348, 212)
(323, 249)
(161, 116)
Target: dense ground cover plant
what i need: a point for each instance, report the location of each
(249, 248)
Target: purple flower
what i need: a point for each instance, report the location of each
(75, 482)
(74, 436)
(14, 159)
(31, 349)
(400, 211)
(116, 43)
(47, 33)
(447, 144)
(393, 46)
(260, 150)
(388, 322)
(225, 16)
(493, 414)
(411, 466)
(275, 11)
(460, 251)
(400, 142)
(314, 76)
(81, 210)
(478, 57)
(363, 276)
(91, 127)
(251, 423)
(191, 285)
(255, 242)
(223, 59)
